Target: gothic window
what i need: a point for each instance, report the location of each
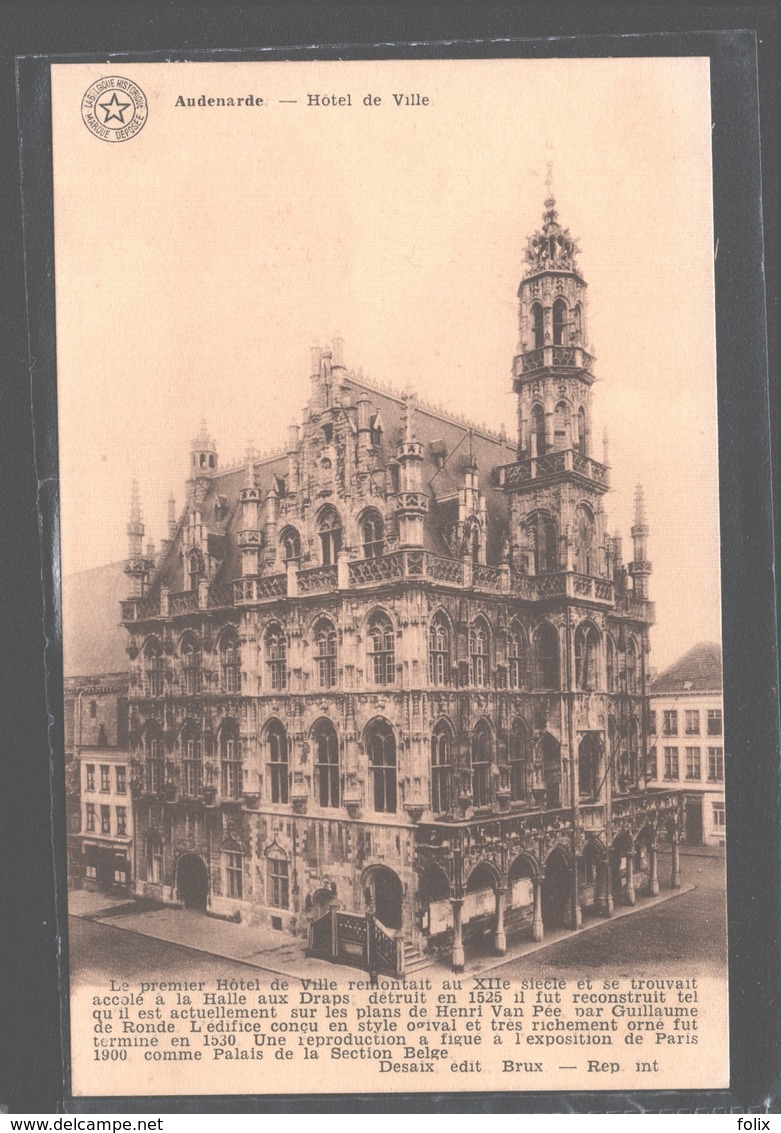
(325, 653)
(327, 778)
(153, 667)
(550, 753)
(382, 650)
(541, 536)
(372, 535)
(586, 657)
(441, 769)
(577, 324)
(481, 765)
(381, 746)
(191, 661)
(439, 651)
(330, 531)
(277, 765)
(610, 664)
(584, 532)
(559, 321)
(633, 747)
(537, 428)
(479, 659)
(230, 661)
(561, 425)
(631, 666)
(291, 545)
(154, 859)
(519, 760)
(547, 657)
(154, 756)
(278, 882)
(234, 871)
(588, 766)
(232, 778)
(276, 656)
(582, 431)
(516, 656)
(537, 326)
(192, 753)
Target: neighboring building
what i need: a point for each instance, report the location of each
(401, 666)
(98, 801)
(686, 737)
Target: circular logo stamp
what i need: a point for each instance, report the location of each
(114, 109)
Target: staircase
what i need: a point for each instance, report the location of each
(414, 960)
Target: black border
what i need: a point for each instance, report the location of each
(740, 43)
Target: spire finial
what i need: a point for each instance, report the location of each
(135, 501)
(640, 515)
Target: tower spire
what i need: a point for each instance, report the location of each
(137, 568)
(640, 567)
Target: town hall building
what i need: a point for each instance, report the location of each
(388, 688)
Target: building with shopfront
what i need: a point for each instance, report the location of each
(686, 740)
(388, 687)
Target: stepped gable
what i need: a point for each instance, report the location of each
(698, 670)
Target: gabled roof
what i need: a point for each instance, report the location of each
(93, 641)
(699, 670)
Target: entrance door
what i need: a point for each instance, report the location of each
(105, 870)
(694, 819)
(193, 882)
(556, 891)
(387, 894)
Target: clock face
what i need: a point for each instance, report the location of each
(585, 529)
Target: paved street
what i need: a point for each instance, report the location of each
(686, 929)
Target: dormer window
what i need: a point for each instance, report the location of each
(330, 531)
(328, 433)
(375, 427)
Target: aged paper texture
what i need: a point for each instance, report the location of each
(391, 624)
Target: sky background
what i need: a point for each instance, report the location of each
(197, 263)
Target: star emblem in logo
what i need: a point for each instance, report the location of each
(114, 109)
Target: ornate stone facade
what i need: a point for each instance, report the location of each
(402, 664)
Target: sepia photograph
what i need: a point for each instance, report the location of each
(391, 606)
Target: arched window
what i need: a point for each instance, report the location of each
(516, 656)
(291, 545)
(329, 529)
(479, 660)
(537, 429)
(233, 861)
(519, 760)
(194, 569)
(577, 324)
(327, 778)
(277, 766)
(276, 656)
(382, 661)
(325, 653)
(547, 657)
(561, 425)
(610, 664)
(441, 769)
(230, 661)
(231, 772)
(381, 746)
(154, 859)
(192, 753)
(586, 657)
(582, 431)
(191, 662)
(588, 766)
(631, 666)
(278, 878)
(154, 758)
(585, 530)
(541, 536)
(439, 651)
(559, 322)
(537, 326)
(550, 755)
(372, 535)
(481, 764)
(153, 667)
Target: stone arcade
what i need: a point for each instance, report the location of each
(388, 688)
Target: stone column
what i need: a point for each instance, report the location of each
(653, 872)
(458, 940)
(500, 937)
(675, 870)
(606, 902)
(630, 877)
(538, 929)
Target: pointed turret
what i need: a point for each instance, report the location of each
(411, 502)
(137, 568)
(640, 568)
